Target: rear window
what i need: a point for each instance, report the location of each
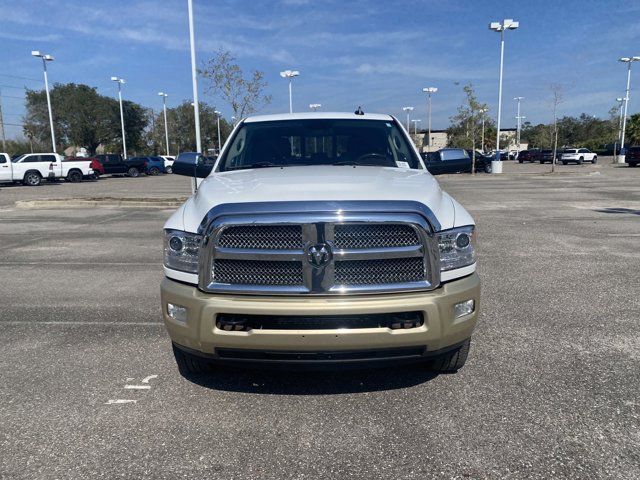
(570, 150)
(634, 149)
(453, 155)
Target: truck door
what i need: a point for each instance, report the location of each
(6, 174)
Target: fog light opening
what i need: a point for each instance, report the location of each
(464, 308)
(177, 312)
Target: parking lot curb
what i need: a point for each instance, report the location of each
(104, 202)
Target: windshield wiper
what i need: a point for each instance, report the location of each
(255, 165)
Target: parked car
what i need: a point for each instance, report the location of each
(153, 165)
(530, 155)
(115, 164)
(546, 156)
(32, 168)
(632, 156)
(578, 155)
(483, 162)
(448, 160)
(168, 163)
(96, 166)
(349, 253)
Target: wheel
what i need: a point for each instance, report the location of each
(452, 361)
(32, 179)
(74, 176)
(190, 365)
(520, 161)
(154, 171)
(169, 169)
(541, 162)
(633, 164)
(564, 163)
(580, 160)
(595, 160)
(487, 168)
(133, 172)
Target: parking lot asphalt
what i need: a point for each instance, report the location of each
(551, 389)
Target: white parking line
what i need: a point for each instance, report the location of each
(119, 401)
(150, 377)
(137, 387)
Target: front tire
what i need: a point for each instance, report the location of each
(169, 170)
(595, 160)
(154, 171)
(190, 365)
(32, 179)
(487, 168)
(133, 172)
(453, 360)
(580, 161)
(564, 163)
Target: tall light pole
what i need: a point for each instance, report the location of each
(507, 24)
(518, 121)
(290, 74)
(615, 144)
(429, 91)
(194, 84)
(629, 61)
(482, 112)
(120, 81)
(47, 58)
(315, 106)
(166, 128)
(408, 110)
(218, 114)
(416, 121)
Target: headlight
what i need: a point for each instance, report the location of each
(181, 250)
(457, 248)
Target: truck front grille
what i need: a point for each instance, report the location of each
(256, 272)
(361, 236)
(319, 253)
(379, 272)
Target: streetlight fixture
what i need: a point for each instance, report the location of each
(429, 91)
(218, 114)
(416, 121)
(120, 81)
(482, 112)
(290, 74)
(315, 106)
(166, 128)
(629, 61)
(518, 121)
(506, 24)
(47, 58)
(408, 110)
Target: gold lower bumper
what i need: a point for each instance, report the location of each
(440, 329)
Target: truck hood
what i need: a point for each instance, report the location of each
(316, 183)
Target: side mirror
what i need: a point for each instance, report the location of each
(192, 164)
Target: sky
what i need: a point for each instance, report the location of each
(374, 53)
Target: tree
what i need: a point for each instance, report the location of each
(465, 130)
(225, 78)
(633, 130)
(82, 117)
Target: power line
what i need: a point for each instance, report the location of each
(21, 78)
(12, 96)
(13, 86)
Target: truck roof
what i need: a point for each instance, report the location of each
(317, 115)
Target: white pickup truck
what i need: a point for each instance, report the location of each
(318, 238)
(32, 168)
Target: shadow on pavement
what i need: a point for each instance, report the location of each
(325, 382)
(629, 211)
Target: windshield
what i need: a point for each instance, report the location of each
(289, 143)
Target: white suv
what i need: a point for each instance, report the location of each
(578, 155)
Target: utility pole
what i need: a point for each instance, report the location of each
(4, 141)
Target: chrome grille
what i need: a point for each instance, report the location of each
(267, 237)
(278, 253)
(361, 236)
(379, 272)
(256, 272)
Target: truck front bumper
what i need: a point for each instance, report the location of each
(440, 331)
